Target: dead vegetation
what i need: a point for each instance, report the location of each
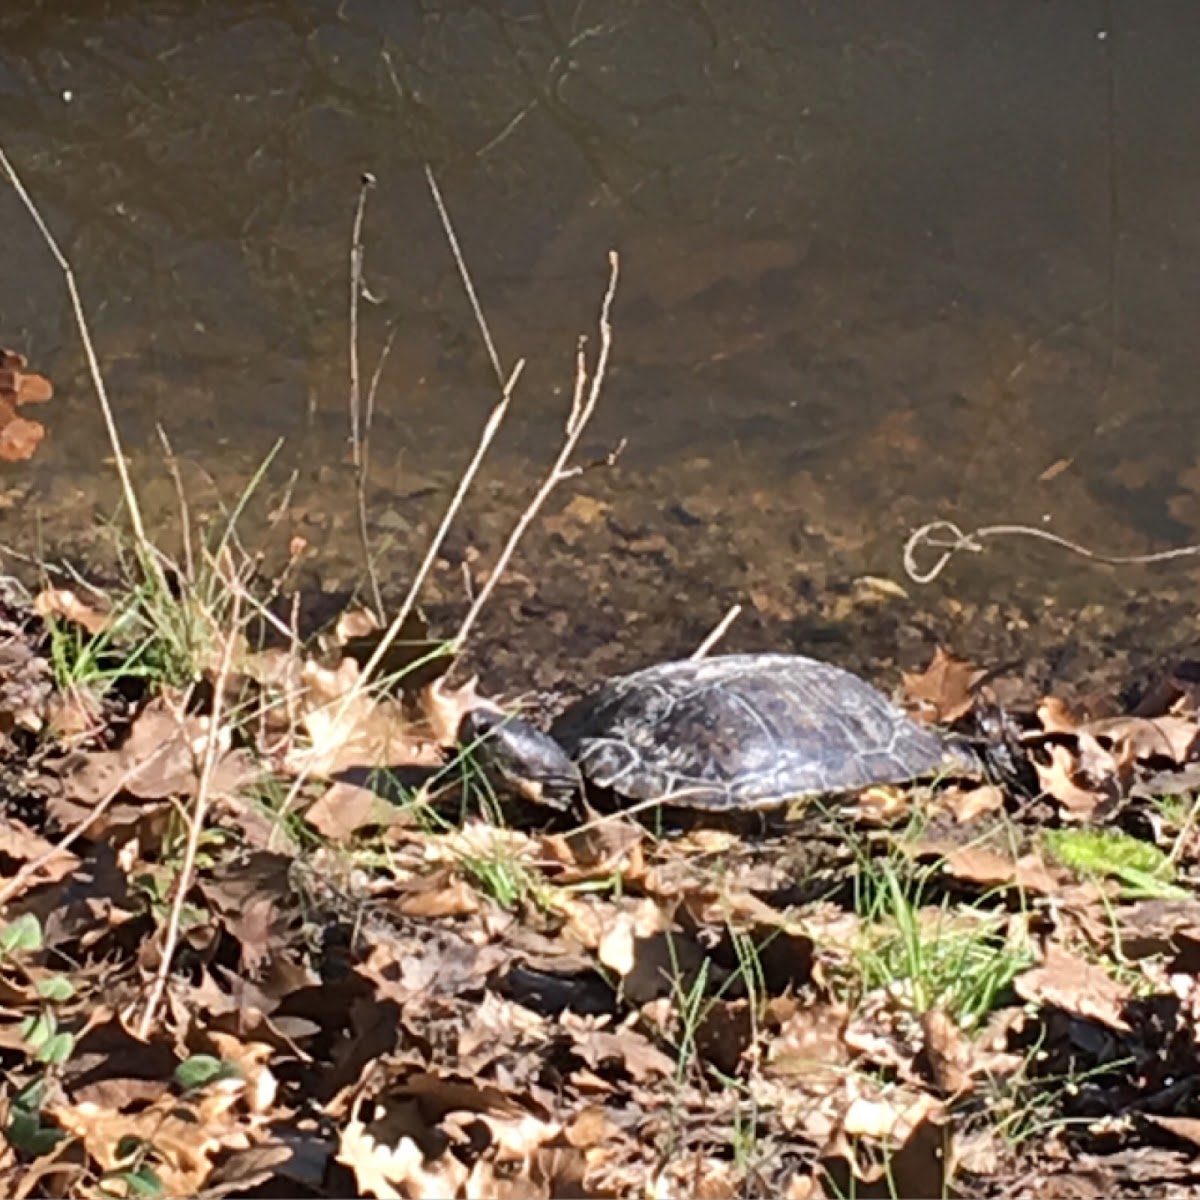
(398, 988)
(266, 929)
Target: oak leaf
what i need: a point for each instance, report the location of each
(1077, 986)
(944, 691)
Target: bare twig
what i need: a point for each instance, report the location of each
(372, 391)
(718, 632)
(583, 406)
(360, 423)
(356, 284)
(212, 753)
(464, 274)
(342, 706)
(363, 467)
(146, 550)
(185, 519)
(949, 539)
(491, 426)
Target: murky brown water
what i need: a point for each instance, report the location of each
(881, 263)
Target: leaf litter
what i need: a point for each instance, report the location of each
(417, 992)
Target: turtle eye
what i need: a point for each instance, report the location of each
(478, 723)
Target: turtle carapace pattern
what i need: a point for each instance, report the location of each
(745, 731)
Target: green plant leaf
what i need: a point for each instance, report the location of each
(142, 1182)
(26, 1132)
(37, 1030)
(31, 1097)
(202, 1069)
(58, 1049)
(22, 935)
(130, 1146)
(57, 988)
(1145, 868)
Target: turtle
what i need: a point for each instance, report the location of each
(731, 732)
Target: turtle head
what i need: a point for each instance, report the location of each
(520, 757)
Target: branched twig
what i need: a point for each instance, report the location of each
(342, 707)
(946, 537)
(583, 406)
(145, 549)
(212, 753)
(491, 426)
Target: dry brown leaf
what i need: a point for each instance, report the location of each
(162, 757)
(592, 1126)
(355, 623)
(944, 691)
(948, 1053)
(445, 708)
(19, 386)
(969, 804)
(185, 1141)
(580, 514)
(20, 844)
(888, 1118)
(1148, 737)
(810, 1047)
(1187, 1129)
(360, 732)
(644, 1061)
(1057, 716)
(913, 1127)
(345, 808)
(990, 868)
(617, 946)
(74, 715)
(64, 603)
(1057, 778)
(251, 1059)
(443, 894)
(19, 437)
(1077, 986)
(397, 1171)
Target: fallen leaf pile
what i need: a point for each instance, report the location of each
(19, 436)
(384, 986)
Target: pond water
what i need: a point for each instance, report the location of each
(880, 263)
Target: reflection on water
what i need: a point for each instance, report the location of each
(887, 261)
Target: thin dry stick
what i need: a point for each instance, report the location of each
(929, 534)
(583, 406)
(718, 632)
(632, 810)
(114, 438)
(372, 390)
(363, 468)
(185, 519)
(187, 871)
(356, 283)
(461, 263)
(360, 425)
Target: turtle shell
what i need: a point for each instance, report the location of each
(744, 731)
